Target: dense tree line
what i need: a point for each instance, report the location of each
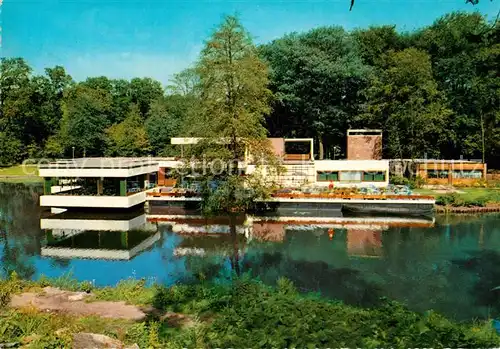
(435, 92)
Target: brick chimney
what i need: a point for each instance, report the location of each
(364, 144)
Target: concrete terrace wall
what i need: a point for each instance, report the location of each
(94, 224)
(97, 172)
(92, 201)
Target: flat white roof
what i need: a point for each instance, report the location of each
(98, 163)
(98, 167)
(184, 140)
(362, 131)
(194, 140)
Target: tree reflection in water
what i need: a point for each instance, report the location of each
(19, 228)
(486, 290)
(443, 268)
(342, 283)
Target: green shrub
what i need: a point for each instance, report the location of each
(65, 282)
(456, 200)
(417, 182)
(17, 325)
(132, 291)
(8, 287)
(138, 333)
(447, 200)
(399, 180)
(412, 183)
(256, 315)
(193, 299)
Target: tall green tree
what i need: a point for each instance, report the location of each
(374, 42)
(185, 83)
(405, 102)
(316, 77)
(143, 92)
(122, 99)
(234, 99)
(128, 138)
(462, 49)
(164, 121)
(85, 118)
(19, 123)
(47, 97)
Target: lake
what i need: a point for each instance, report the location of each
(450, 265)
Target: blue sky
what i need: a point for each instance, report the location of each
(156, 38)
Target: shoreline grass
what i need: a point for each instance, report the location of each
(464, 198)
(242, 313)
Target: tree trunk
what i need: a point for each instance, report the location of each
(235, 259)
(482, 138)
(321, 148)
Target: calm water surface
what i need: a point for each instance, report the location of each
(451, 266)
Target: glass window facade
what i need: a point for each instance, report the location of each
(325, 176)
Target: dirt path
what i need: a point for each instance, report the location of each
(54, 299)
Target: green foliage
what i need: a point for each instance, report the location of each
(259, 316)
(457, 200)
(129, 137)
(247, 313)
(413, 183)
(54, 147)
(85, 118)
(317, 78)
(165, 120)
(11, 149)
(65, 281)
(465, 65)
(40, 327)
(405, 102)
(145, 335)
(143, 92)
(399, 180)
(433, 91)
(233, 82)
(8, 288)
(131, 290)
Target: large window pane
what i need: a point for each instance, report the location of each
(325, 176)
(351, 176)
(467, 174)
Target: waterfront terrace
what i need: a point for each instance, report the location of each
(96, 182)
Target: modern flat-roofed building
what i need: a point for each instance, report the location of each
(296, 157)
(96, 182)
(451, 172)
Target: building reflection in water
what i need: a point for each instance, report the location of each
(202, 236)
(363, 238)
(89, 236)
(268, 231)
(364, 242)
(123, 236)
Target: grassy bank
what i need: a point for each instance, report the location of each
(243, 314)
(20, 174)
(465, 197)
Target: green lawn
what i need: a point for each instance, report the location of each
(19, 170)
(469, 194)
(20, 174)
